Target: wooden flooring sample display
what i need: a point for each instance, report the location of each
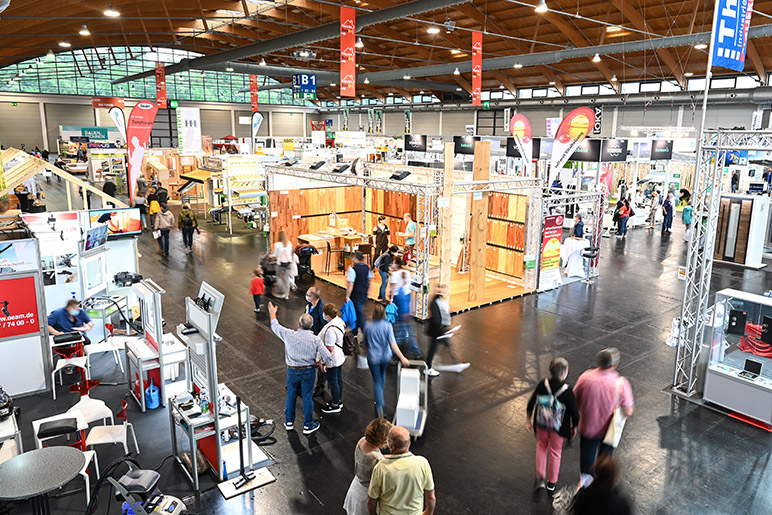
(508, 206)
(391, 203)
(504, 261)
(506, 234)
(307, 211)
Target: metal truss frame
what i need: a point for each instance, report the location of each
(695, 317)
(565, 197)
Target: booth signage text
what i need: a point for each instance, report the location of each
(415, 142)
(730, 35)
(19, 314)
(464, 144)
(661, 149)
(613, 150)
(587, 151)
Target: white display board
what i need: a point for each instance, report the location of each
(189, 130)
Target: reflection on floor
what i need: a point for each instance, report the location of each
(496, 290)
(675, 458)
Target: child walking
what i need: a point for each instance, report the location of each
(257, 287)
(556, 419)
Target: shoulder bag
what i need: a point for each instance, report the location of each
(618, 419)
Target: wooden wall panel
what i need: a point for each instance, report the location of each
(743, 230)
(479, 223)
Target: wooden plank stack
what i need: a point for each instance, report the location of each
(507, 214)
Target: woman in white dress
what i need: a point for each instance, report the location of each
(366, 455)
(282, 251)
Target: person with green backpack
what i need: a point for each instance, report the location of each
(553, 415)
(188, 223)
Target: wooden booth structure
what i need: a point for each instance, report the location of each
(494, 222)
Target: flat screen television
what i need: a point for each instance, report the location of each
(95, 237)
(119, 222)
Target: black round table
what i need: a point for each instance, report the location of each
(33, 474)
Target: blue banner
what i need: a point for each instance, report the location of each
(304, 86)
(730, 38)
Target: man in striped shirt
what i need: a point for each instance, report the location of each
(300, 350)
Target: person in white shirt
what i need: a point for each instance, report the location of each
(332, 338)
(282, 251)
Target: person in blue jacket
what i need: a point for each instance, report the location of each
(68, 319)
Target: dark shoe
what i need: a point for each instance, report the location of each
(550, 486)
(307, 430)
(539, 485)
(332, 408)
(319, 392)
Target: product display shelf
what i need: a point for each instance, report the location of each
(505, 249)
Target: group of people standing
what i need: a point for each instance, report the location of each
(657, 204)
(555, 412)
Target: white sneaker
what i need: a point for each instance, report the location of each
(431, 372)
(463, 366)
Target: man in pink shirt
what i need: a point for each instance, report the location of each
(598, 393)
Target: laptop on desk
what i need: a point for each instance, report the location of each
(752, 369)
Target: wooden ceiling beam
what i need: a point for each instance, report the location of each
(756, 62)
(461, 81)
(507, 81)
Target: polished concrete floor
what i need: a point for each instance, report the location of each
(675, 457)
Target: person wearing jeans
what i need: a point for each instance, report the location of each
(383, 264)
(300, 350)
(164, 221)
(188, 223)
(358, 286)
(381, 346)
(599, 391)
(332, 337)
(624, 217)
(550, 432)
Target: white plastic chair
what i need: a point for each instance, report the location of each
(110, 344)
(113, 433)
(90, 455)
(93, 410)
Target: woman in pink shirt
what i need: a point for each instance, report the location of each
(598, 392)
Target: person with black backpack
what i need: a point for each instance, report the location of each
(553, 414)
(332, 336)
(187, 222)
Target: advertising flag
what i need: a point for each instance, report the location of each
(253, 91)
(138, 135)
(160, 85)
(348, 28)
(730, 35)
(257, 121)
(520, 129)
(550, 252)
(476, 67)
(118, 117)
(189, 131)
(572, 130)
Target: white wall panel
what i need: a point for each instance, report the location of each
(67, 114)
(215, 123)
(287, 124)
(21, 124)
(426, 123)
(454, 122)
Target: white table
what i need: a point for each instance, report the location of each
(9, 430)
(571, 256)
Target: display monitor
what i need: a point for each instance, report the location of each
(95, 237)
(211, 301)
(752, 367)
(736, 323)
(766, 330)
(119, 222)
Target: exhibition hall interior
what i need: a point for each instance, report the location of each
(407, 257)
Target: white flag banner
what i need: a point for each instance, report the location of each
(257, 121)
(119, 119)
(189, 130)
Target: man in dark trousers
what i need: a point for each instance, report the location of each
(358, 286)
(314, 306)
(381, 233)
(110, 188)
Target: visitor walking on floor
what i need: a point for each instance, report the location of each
(401, 484)
(300, 351)
(624, 217)
(140, 202)
(381, 346)
(164, 221)
(282, 250)
(257, 288)
(553, 414)
(153, 206)
(439, 323)
(599, 391)
(602, 497)
(383, 265)
(667, 210)
(686, 218)
(402, 297)
(358, 287)
(314, 307)
(654, 209)
(367, 454)
(410, 233)
(188, 223)
(332, 337)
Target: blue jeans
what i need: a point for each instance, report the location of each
(667, 222)
(359, 308)
(300, 381)
(384, 284)
(335, 379)
(588, 454)
(623, 225)
(163, 240)
(404, 332)
(378, 372)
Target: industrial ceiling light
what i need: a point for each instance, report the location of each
(701, 46)
(50, 55)
(229, 68)
(332, 84)
(614, 78)
(542, 7)
(433, 29)
(65, 44)
(596, 59)
(391, 94)
(112, 13)
(406, 76)
(613, 28)
(501, 85)
(456, 72)
(359, 43)
(84, 31)
(552, 83)
(518, 65)
(421, 92)
(688, 74)
(367, 81)
(455, 51)
(262, 62)
(458, 89)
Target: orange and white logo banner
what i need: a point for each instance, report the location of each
(520, 129)
(476, 67)
(572, 130)
(253, 91)
(160, 85)
(348, 66)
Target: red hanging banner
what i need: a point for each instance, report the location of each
(253, 91)
(160, 85)
(138, 131)
(348, 66)
(476, 67)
